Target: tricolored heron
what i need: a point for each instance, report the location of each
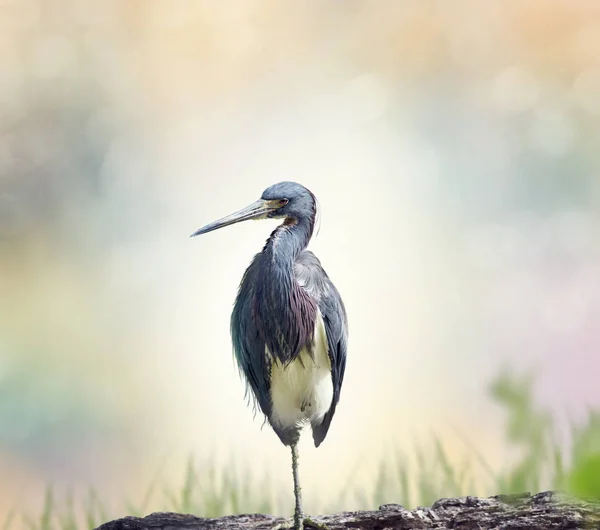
(289, 326)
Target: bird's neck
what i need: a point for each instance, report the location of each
(288, 240)
(285, 311)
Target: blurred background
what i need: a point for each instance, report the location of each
(453, 147)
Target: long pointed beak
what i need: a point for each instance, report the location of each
(256, 210)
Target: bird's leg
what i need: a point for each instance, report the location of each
(298, 515)
(299, 518)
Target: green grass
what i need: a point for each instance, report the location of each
(413, 480)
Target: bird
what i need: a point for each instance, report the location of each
(289, 326)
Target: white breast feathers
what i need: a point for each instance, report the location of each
(303, 390)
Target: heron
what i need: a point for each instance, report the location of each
(289, 326)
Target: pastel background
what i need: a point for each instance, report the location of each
(453, 147)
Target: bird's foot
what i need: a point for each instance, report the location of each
(310, 522)
(300, 524)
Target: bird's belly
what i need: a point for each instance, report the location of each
(303, 390)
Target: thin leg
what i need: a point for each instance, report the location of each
(298, 514)
(299, 518)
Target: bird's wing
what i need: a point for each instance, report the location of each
(314, 279)
(248, 347)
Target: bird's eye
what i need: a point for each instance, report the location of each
(283, 202)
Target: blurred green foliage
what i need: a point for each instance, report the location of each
(541, 465)
(544, 464)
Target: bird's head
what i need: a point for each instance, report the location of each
(288, 200)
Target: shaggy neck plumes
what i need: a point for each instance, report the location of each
(284, 311)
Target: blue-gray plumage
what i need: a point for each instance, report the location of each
(289, 325)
